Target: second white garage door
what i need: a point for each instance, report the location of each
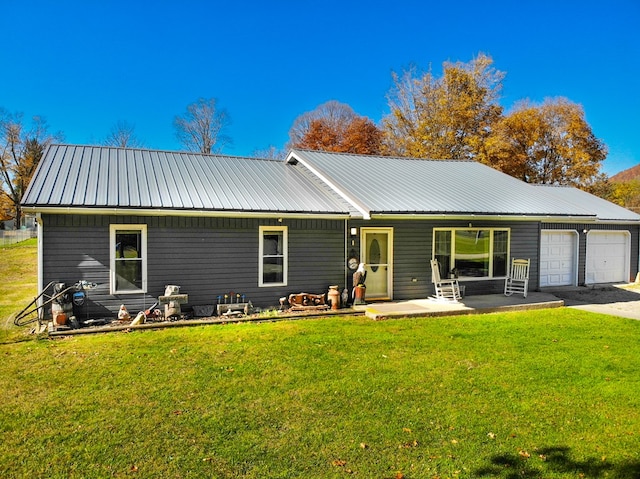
(607, 256)
(558, 258)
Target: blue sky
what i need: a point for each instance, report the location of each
(84, 65)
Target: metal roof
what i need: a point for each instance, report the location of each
(309, 182)
(105, 177)
(379, 185)
(604, 210)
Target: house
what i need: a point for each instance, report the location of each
(134, 220)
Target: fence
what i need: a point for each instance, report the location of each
(15, 236)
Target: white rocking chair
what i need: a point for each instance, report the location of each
(518, 279)
(446, 289)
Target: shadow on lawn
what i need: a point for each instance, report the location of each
(556, 460)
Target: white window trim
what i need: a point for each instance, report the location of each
(491, 254)
(113, 229)
(285, 254)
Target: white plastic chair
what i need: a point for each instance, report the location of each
(518, 279)
(446, 289)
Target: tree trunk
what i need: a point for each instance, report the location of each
(18, 216)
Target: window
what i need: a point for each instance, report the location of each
(472, 252)
(128, 258)
(273, 256)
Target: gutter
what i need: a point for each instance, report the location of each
(364, 215)
(489, 216)
(116, 211)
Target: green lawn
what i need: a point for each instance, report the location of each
(550, 394)
(18, 282)
(541, 394)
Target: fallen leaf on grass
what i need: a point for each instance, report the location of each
(177, 413)
(363, 445)
(524, 454)
(339, 463)
(408, 445)
(133, 469)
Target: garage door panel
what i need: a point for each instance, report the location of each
(557, 258)
(608, 256)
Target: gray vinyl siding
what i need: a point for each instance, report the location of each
(582, 242)
(207, 257)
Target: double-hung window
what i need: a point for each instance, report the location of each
(472, 252)
(272, 261)
(128, 262)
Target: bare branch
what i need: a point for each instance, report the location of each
(202, 127)
(122, 135)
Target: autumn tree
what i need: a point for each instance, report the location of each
(21, 152)
(447, 117)
(550, 143)
(202, 127)
(334, 114)
(122, 135)
(7, 210)
(626, 193)
(334, 126)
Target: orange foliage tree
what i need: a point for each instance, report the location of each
(550, 143)
(447, 117)
(334, 126)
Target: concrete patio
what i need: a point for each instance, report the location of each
(469, 305)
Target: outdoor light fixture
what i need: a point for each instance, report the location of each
(354, 231)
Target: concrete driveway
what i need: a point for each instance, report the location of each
(615, 299)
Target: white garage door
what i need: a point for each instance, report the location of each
(607, 256)
(558, 258)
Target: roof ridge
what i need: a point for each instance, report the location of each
(392, 157)
(547, 185)
(156, 150)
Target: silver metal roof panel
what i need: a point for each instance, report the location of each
(105, 177)
(391, 185)
(605, 210)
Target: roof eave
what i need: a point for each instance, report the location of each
(466, 216)
(118, 211)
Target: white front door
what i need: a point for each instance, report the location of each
(607, 256)
(377, 255)
(558, 258)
